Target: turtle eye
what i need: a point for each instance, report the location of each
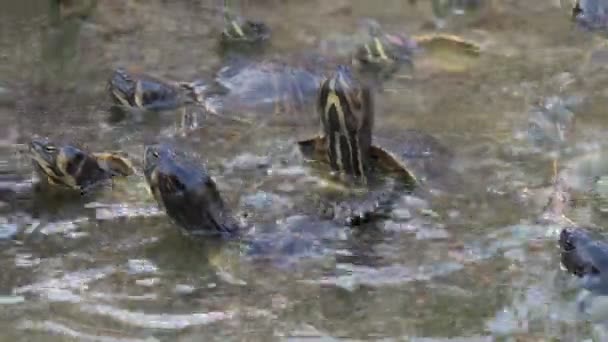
(155, 154)
(50, 148)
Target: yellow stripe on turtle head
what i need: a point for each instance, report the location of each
(380, 48)
(237, 28)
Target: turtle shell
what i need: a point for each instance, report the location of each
(269, 92)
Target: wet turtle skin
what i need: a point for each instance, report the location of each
(183, 187)
(272, 89)
(67, 166)
(143, 91)
(585, 256)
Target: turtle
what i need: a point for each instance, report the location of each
(67, 166)
(346, 142)
(591, 14)
(383, 53)
(243, 34)
(137, 90)
(271, 90)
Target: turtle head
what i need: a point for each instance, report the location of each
(382, 51)
(121, 87)
(238, 29)
(65, 165)
(347, 116)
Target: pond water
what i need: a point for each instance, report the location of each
(471, 263)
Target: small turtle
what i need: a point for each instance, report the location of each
(380, 54)
(242, 33)
(70, 167)
(271, 90)
(346, 142)
(184, 189)
(143, 91)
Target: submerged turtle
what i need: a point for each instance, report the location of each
(70, 167)
(347, 143)
(189, 196)
(591, 14)
(138, 90)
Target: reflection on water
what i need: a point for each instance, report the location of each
(467, 263)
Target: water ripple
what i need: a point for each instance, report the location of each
(157, 321)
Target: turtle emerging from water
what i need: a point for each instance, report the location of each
(183, 187)
(348, 144)
(69, 167)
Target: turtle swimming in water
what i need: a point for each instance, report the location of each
(591, 14)
(243, 34)
(70, 167)
(131, 89)
(346, 142)
(184, 189)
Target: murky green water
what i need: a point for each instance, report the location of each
(470, 264)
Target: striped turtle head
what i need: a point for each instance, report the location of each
(347, 118)
(240, 30)
(66, 165)
(122, 87)
(133, 89)
(383, 52)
